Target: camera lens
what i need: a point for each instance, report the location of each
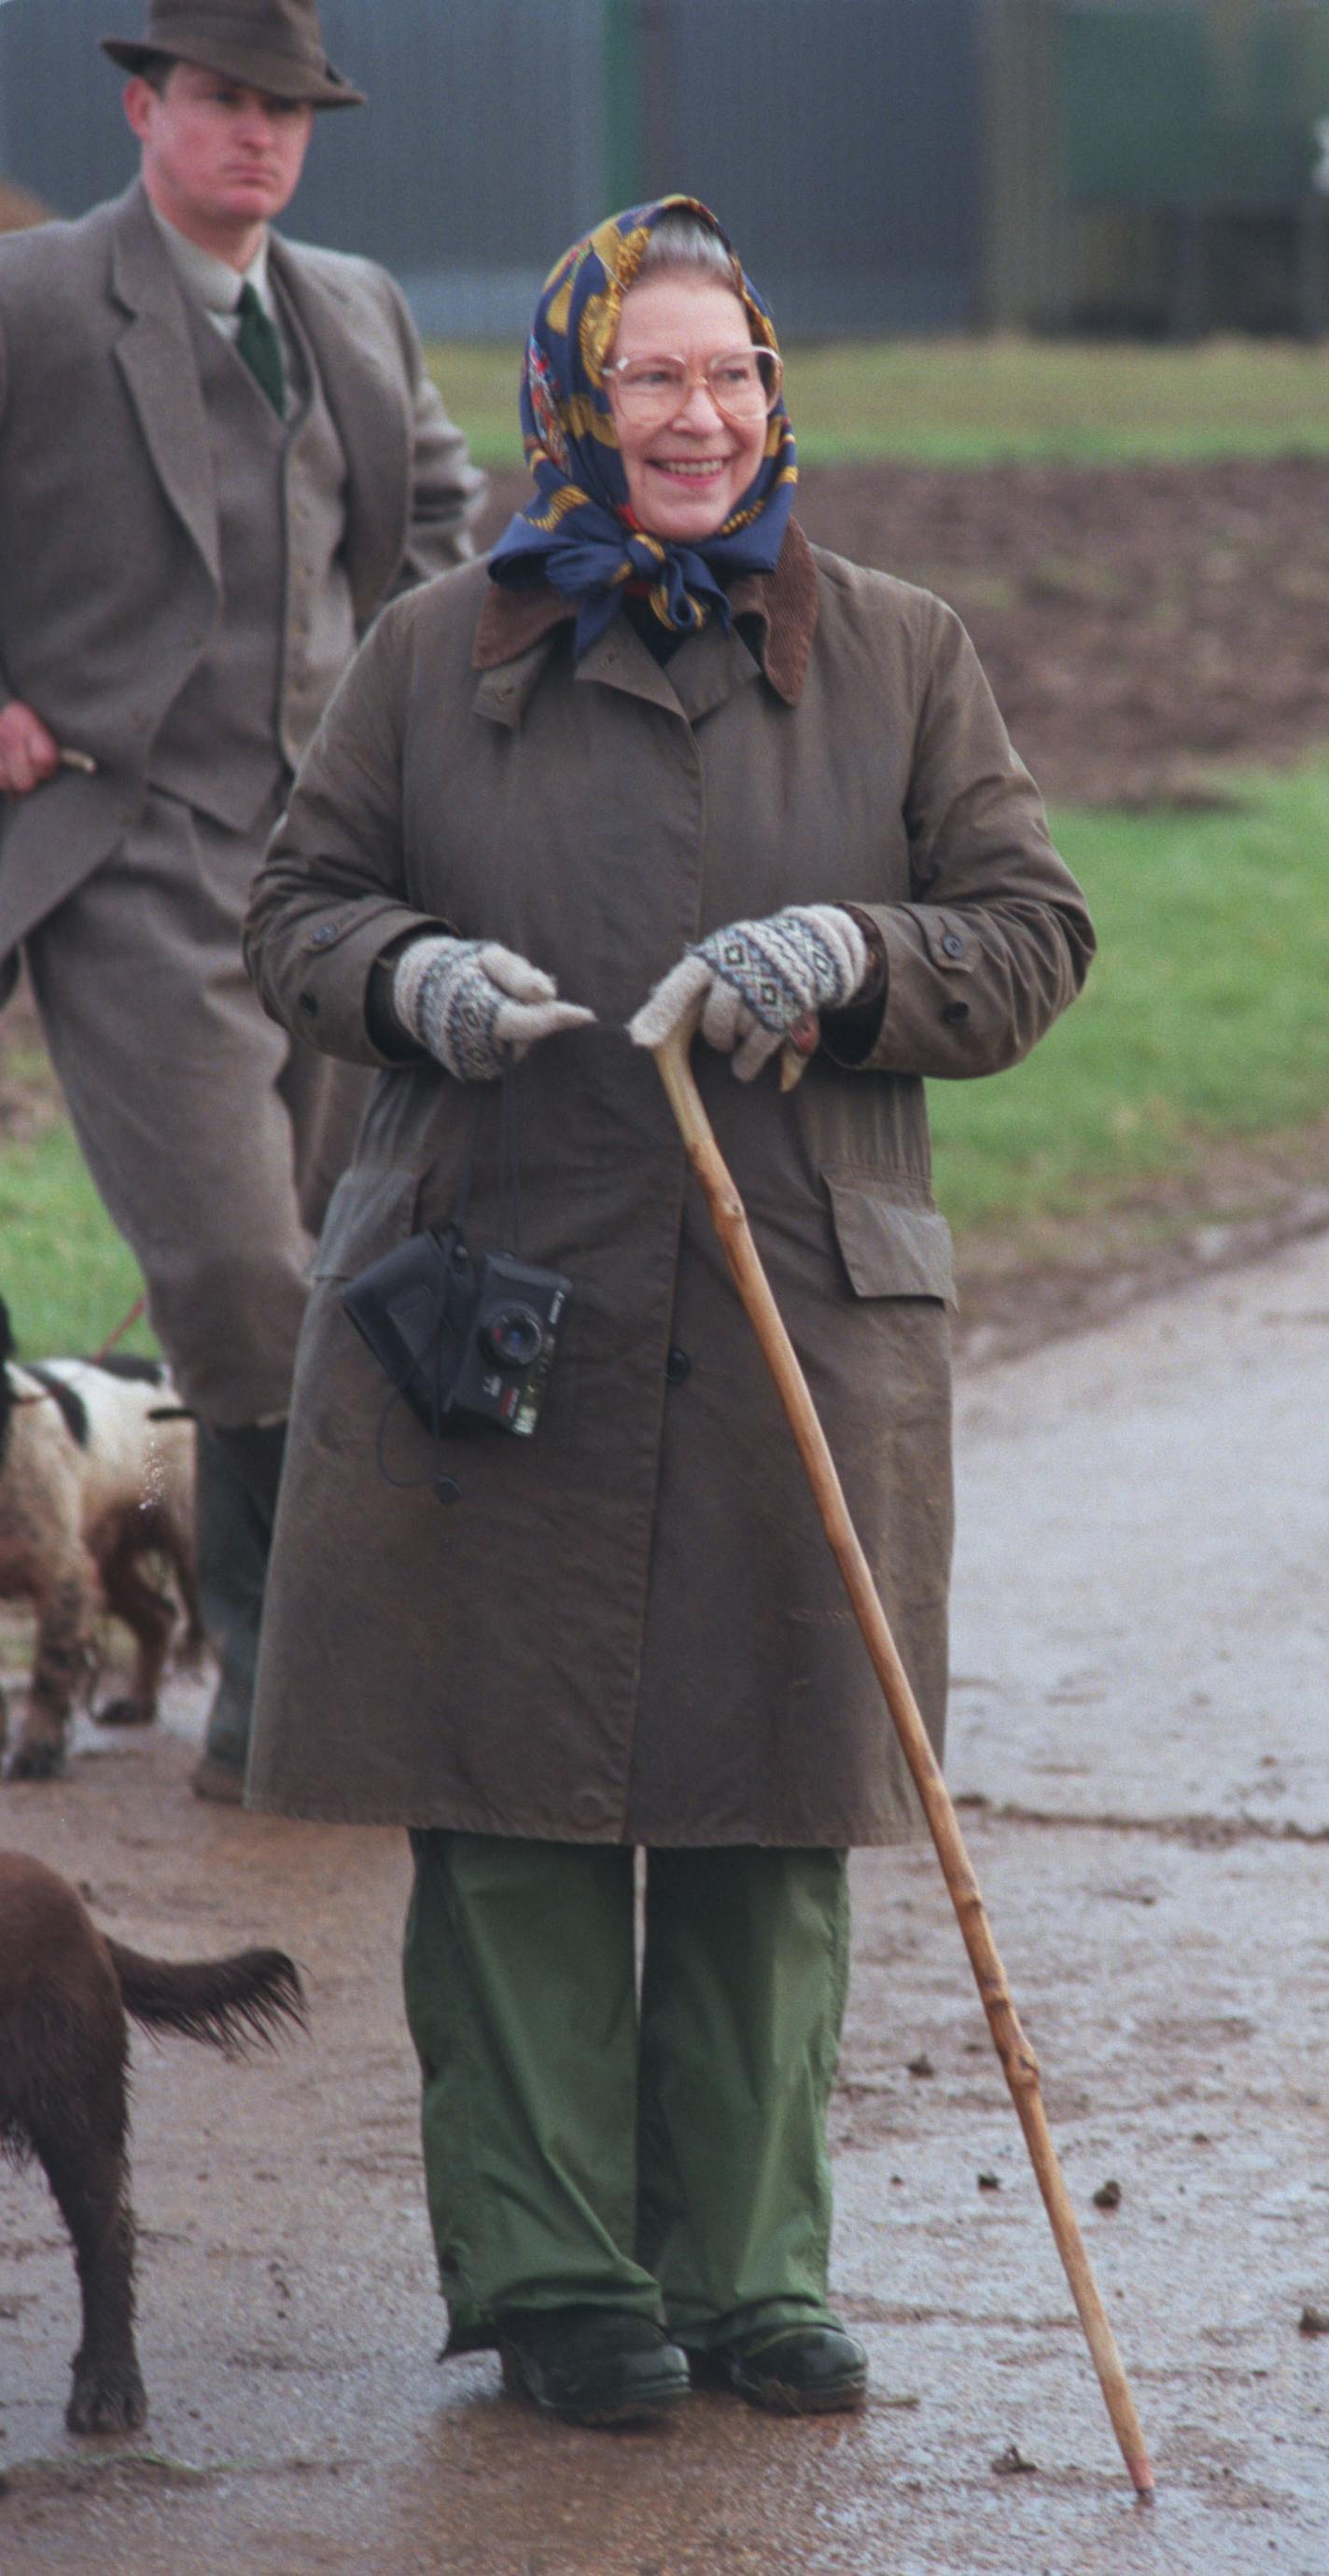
(513, 1335)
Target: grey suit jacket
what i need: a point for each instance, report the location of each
(109, 582)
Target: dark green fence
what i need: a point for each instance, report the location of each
(1193, 162)
(840, 141)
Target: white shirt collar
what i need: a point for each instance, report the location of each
(209, 281)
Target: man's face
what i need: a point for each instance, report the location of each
(219, 160)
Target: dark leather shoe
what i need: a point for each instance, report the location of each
(599, 2366)
(222, 1781)
(792, 2370)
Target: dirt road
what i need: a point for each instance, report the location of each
(1141, 1747)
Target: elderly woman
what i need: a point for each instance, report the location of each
(657, 740)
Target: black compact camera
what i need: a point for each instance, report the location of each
(458, 1339)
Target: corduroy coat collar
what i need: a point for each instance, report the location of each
(783, 603)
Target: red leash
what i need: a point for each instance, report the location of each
(138, 1308)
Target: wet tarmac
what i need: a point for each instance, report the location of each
(1140, 1753)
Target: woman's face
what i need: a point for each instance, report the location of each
(684, 475)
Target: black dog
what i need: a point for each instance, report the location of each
(64, 1992)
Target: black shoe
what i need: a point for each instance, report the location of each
(222, 1781)
(792, 2370)
(599, 2366)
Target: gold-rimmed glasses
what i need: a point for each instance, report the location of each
(744, 385)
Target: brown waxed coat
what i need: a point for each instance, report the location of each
(629, 1627)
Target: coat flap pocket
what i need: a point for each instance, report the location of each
(368, 1213)
(890, 1250)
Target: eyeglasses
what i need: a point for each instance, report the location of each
(743, 384)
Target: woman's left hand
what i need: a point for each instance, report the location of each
(756, 983)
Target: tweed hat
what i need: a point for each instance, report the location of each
(272, 45)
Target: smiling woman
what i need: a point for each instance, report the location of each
(691, 424)
(663, 456)
(657, 746)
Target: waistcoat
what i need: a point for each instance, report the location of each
(286, 629)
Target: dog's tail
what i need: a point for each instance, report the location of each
(230, 2002)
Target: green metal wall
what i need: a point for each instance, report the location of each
(1171, 106)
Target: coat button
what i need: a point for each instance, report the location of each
(956, 1011)
(308, 1006)
(321, 937)
(589, 1807)
(953, 944)
(677, 1366)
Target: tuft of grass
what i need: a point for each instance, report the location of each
(1203, 1019)
(983, 401)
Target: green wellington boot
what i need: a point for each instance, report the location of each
(235, 1501)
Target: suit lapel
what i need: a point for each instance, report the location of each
(372, 422)
(156, 357)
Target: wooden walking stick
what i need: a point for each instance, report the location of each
(1017, 2057)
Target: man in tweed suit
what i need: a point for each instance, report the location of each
(219, 454)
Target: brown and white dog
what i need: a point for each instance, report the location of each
(64, 1992)
(96, 1473)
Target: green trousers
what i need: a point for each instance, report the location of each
(589, 2144)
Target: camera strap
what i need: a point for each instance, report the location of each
(452, 1247)
(509, 1161)
(508, 1155)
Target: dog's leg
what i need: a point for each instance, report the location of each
(68, 1610)
(88, 2171)
(150, 1615)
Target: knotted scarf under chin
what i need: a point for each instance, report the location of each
(577, 531)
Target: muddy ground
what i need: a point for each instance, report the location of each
(1140, 1760)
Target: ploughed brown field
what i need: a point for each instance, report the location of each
(1141, 625)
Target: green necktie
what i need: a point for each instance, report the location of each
(260, 346)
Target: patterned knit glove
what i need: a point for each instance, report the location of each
(471, 1003)
(759, 979)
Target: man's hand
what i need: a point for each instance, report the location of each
(29, 752)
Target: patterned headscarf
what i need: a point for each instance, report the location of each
(578, 530)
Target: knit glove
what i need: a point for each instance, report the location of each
(759, 979)
(471, 1003)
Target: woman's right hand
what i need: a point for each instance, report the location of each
(472, 1004)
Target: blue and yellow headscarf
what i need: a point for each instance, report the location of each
(578, 531)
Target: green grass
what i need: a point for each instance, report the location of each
(67, 1278)
(1204, 1019)
(986, 401)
